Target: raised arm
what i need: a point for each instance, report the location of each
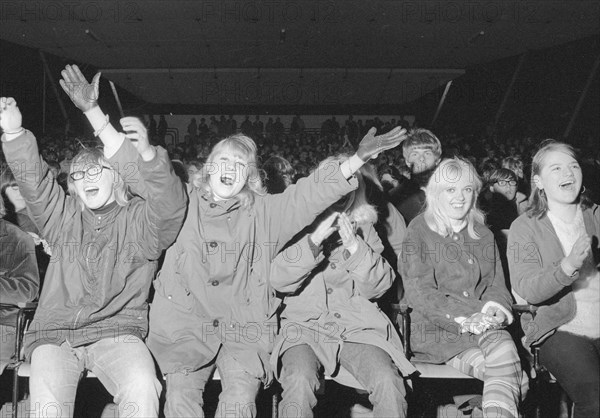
(302, 202)
(45, 199)
(84, 96)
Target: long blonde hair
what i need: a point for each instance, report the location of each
(448, 173)
(244, 148)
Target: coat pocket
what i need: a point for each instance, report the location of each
(173, 290)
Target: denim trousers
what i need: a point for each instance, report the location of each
(371, 366)
(185, 391)
(123, 365)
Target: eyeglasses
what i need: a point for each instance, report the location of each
(91, 173)
(506, 182)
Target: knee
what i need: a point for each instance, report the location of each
(296, 376)
(389, 382)
(141, 385)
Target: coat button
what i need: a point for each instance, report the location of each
(455, 237)
(343, 337)
(470, 261)
(170, 297)
(337, 315)
(333, 266)
(213, 244)
(213, 205)
(329, 290)
(466, 294)
(216, 323)
(215, 282)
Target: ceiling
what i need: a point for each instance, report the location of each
(299, 52)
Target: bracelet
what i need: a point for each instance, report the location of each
(106, 122)
(18, 131)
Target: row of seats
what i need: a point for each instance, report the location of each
(401, 313)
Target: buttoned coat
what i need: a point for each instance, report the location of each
(213, 288)
(447, 279)
(331, 299)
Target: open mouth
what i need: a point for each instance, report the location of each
(567, 185)
(91, 191)
(458, 205)
(227, 179)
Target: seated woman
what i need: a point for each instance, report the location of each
(453, 281)
(330, 279)
(553, 260)
(93, 310)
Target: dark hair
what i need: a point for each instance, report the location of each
(279, 174)
(500, 174)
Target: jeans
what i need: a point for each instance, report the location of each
(372, 367)
(574, 361)
(123, 365)
(237, 398)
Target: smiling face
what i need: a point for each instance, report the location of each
(95, 188)
(228, 174)
(456, 199)
(560, 177)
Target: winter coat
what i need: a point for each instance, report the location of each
(448, 278)
(19, 279)
(330, 299)
(534, 254)
(103, 262)
(213, 288)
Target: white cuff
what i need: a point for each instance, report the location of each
(509, 315)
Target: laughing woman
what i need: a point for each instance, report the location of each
(93, 308)
(213, 305)
(553, 260)
(455, 285)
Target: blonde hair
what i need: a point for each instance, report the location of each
(95, 156)
(448, 173)
(244, 148)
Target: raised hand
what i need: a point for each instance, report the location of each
(372, 145)
(10, 115)
(347, 233)
(324, 230)
(579, 252)
(84, 95)
(136, 131)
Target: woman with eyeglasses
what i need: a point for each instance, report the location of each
(553, 255)
(93, 310)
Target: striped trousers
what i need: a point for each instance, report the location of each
(496, 362)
